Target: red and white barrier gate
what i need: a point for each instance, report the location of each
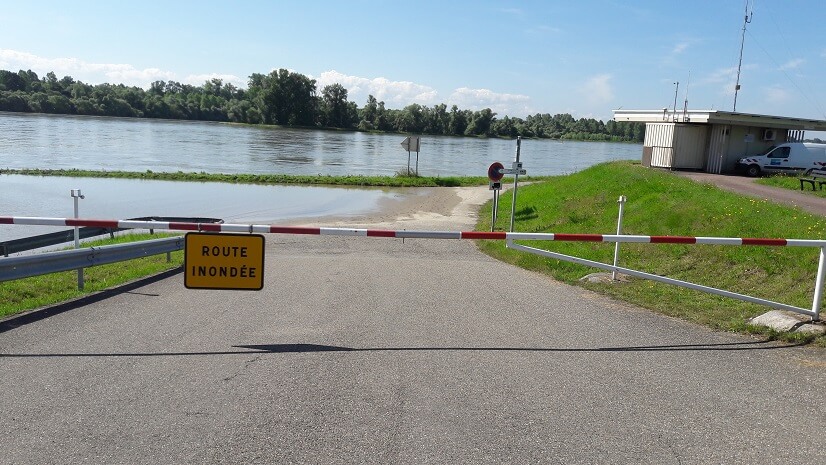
(814, 312)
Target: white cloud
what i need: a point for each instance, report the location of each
(501, 104)
(725, 78)
(91, 73)
(399, 94)
(97, 73)
(200, 79)
(776, 94)
(679, 48)
(597, 89)
(792, 64)
(544, 30)
(395, 94)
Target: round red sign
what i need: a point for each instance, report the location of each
(493, 171)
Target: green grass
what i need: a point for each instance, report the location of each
(789, 181)
(660, 203)
(355, 180)
(39, 291)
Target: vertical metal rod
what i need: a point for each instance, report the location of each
(621, 202)
(408, 162)
(497, 204)
(77, 196)
(821, 274)
(515, 180)
(493, 211)
(417, 163)
(674, 118)
(746, 21)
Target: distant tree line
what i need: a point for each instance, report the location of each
(286, 98)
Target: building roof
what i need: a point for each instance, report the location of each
(719, 117)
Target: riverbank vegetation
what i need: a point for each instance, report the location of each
(400, 180)
(660, 203)
(288, 99)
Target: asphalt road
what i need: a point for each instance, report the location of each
(371, 350)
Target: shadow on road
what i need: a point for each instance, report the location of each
(311, 348)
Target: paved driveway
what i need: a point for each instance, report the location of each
(748, 186)
(370, 350)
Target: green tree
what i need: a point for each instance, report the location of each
(457, 122)
(11, 81)
(368, 114)
(335, 106)
(289, 98)
(480, 123)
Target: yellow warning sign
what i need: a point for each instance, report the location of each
(224, 261)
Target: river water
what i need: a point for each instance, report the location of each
(54, 141)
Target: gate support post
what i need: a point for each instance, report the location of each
(821, 274)
(621, 201)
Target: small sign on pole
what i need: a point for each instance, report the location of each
(412, 144)
(495, 174)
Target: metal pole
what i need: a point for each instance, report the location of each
(494, 209)
(746, 21)
(821, 274)
(515, 180)
(621, 202)
(408, 162)
(497, 204)
(76, 195)
(675, 100)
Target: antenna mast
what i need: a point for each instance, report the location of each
(746, 21)
(685, 104)
(677, 89)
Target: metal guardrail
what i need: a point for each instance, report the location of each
(54, 262)
(46, 240)
(61, 237)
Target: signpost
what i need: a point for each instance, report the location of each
(75, 193)
(517, 170)
(412, 144)
(224, 261)
(495, 174)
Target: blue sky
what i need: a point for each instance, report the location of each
(582, 57)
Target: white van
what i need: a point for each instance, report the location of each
(785, 158)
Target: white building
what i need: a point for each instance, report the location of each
(711, 140)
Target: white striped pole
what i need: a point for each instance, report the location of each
(409, 234)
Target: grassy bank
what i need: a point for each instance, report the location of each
(355, 180)
(660, 203)
(38, 291)
(788, 181)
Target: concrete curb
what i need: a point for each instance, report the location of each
(784, 321)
